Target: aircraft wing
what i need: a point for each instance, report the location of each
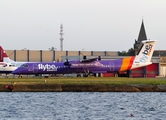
(88, 60)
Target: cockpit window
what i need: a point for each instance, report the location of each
(5, 65)
(24, 65)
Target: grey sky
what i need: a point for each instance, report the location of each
(92, 25)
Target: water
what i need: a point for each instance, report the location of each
(82, 106)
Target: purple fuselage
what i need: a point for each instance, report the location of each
(76, 66)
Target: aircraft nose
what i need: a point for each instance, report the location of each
(15, 72)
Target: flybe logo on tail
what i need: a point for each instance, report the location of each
(146, 53)
(47, 67)
(148, 49)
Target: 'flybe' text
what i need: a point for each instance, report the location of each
(146, 53)
(148, 49)
(47, 67)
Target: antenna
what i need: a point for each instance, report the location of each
(61, 37)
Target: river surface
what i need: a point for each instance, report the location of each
(82, 106)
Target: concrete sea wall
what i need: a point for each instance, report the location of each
(81, 88)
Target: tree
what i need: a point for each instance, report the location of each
(130, 52)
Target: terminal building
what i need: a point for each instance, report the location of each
(158, 68)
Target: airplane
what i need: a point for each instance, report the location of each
(5, 58)
(93, 65)
(7, 65)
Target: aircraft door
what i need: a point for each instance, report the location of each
(35, 69)
(111, 66)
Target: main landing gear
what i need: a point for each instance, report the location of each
(78, 75)
(86, 75)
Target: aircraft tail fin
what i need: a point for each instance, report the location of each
(143, 57)
(2, 54)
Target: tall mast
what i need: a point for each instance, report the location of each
(61, 37)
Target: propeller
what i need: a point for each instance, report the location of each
(99, 57)
(67, 63)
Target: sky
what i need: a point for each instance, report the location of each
(88, 25)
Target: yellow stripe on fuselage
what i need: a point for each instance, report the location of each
(126, 64)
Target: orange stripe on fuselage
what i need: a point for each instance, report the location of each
(127, 63)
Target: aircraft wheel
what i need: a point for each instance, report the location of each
(93, 74)
(85, 75)
(78, 75)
